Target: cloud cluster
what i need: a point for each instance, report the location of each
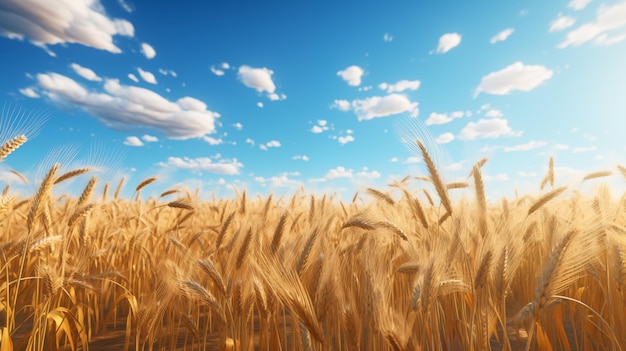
(148, 77)
(400, 86)
(601, 30)
(124, 107)
(379, 106)
(443, 118)
(487, 128)
(45, 22)
(531, 145)
(206, 164)
(517, 76)
(270, 144)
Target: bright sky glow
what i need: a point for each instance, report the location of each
(321, 95)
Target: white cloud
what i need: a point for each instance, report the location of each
(345, 139)
(517, 76)
(148, 77)
(123, 4)
(316, 130)
(365, 173)
(608, 18)
(382, 106)
(456, 166)
(133, 78)
(216, 71)
(304, 158)
(605, 40)
(342, 105)
(442, 118)
(322, 125)
(45, 23)
(494, 113)
(502, 36)
(149, 138)
(29, 92)
(531, 145)
(339, 172)
(222, 166)
(578, 4)
(225, 65)
(487, 128)
(400, 86)
(448, 42)
(352, 75)
(269, 144)
(250, 141)
(212, 141)
(445, 138)
(394, 159)
(133, 141)
(238, 126)
(387, 37)
(276, 97)
(259, 79)
(280, 181)
(561, 23)
(122, 107)
(259, 104)
(148, 51)
(85, 73)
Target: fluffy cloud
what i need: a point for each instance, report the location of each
(448, 42)
(380, 106)
(531, 145)
(345, 139)
(29, 92)
(238, 126)
(561, 22)
(609, 18)
(133, 141)
(445, 138)
(578, 4)
(339, 172)
(352, 75)
(400, 86)
(259, 79)
(365, 173)
(122, 107)
(45, 22)
(517, 76)
(388, 37)
(85, 73)
(269, 144)
(442, 118)
(494, 113)
(149, 138)
(321, 126)
(487, 128)
(222, 166)
(280, 181)
(148, 77)
(502, 36)
(341, 105)
(148, 51)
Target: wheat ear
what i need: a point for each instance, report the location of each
(435, 179)
(545, 198)
(41, 196)
(11, 145)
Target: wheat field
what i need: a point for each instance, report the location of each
(409, 267)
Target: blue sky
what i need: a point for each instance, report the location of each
(272, 96)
